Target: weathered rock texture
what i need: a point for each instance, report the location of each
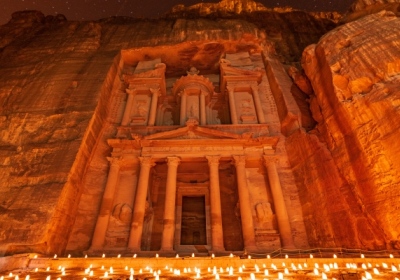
(56, 78)
(348, 168)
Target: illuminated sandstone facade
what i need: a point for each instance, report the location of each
(194, 166)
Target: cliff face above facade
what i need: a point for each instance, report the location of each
(355, 73)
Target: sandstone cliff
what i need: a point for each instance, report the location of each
(354, 71)
(55, 81)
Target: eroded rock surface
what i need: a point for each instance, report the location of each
(354, 71)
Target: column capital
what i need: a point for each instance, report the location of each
(213, 160)
(239, 160)
(182, 93)
(173, 161)
(271, 159)
(147, 161)
(254, 88)
(115, 161)
(230, 88)
(131, 90)
(155, 91)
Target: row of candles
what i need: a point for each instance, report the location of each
(241, 272)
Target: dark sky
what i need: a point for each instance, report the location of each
(96, 9)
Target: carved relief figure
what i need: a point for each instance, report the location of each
(265, 215)
(141, 108)
(122, 212)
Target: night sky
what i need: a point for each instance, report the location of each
(96, 9)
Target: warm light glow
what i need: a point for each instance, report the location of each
(280, 276)
(27, 277)
(316, 272)
(286, 270)
(266, 272)
(368, 275)
(391, 256)
(323, 275)
(134, 256)
(311, 256)
(119, 255)
(362, 256)
(55, 256)
(334, 256)
(192, 255)
(69, 256)
(394, 269)
(376, 271)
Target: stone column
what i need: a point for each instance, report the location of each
(257, 103)
(167, 243)
(203, 120)
(135, 236)
(128, 107)
(100, 230)
(153, 106)
(183, 107)
(279, 202)
(245, 204)
(232, 105)
(217, 236)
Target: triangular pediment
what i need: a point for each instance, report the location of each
(194, 132)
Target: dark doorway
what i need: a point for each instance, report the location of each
(193, 230)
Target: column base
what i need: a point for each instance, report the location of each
(251, 249)
(217, 250)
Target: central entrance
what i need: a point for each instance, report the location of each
(193, 227)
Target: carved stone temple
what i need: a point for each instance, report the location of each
(195, 164)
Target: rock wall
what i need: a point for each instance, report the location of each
(347, 168)
(56, 78)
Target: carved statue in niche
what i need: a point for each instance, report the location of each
(246, 106)
(265, 215)
(122, 212)
(141, 108)
(194, 111)
(167, 118)
(147, 226)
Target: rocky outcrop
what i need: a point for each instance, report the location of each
(355, 72)
(360, 5)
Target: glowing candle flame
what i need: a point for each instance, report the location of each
(376, 271)
(55, 256)
(266, 272)
(69, 256)
(362, 256)
(134, 256)
(384, 265)
(85, 256)
(48, 268)
(27, 277)
(316, 272)
(391, 256)
(231, 255)
(36, 269)
(311, 256)
(48, 277)
(286, 270)
(280, 276)
(268, 256)
(334, 256)
(106, 274)
(103, 256)
(368, 275)
(324, 276)
(394, 269)
(119, 255)
(252, 276)
(192, 255)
